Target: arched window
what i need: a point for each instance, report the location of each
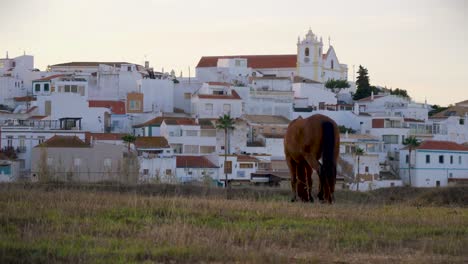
(332, 64)
(306, 52)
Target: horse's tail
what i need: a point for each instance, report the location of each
(328, 155)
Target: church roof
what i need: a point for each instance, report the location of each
(254, 61)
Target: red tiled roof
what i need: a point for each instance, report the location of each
(193, 162)
(64, 142)
(219, 83)
(103, 136)
(254, 61)
(234, 96)
(441, 145)
(31, 109)
(151, 142)
(48, 78)
(24, 99)
(181, 121)
(37, 117)
(117, 107)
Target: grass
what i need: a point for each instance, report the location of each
(44, 224)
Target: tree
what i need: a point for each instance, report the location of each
(129, 139)
(363, 86)
(332, 83)
(225, 123)
(400, 92)
(358, 152)
(412, 143)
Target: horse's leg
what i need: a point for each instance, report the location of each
(292, 165)
(308, 176)
(315, 165)
(302, 191)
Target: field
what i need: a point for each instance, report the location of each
(180, 224)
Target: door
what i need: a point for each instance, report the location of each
(48, 107)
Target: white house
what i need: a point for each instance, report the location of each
(434, 164)
(237, 167)
(158, 94)
(23, 135)
(157, 160)
(215, 99)
(196, 169)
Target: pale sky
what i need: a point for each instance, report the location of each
(417, 45)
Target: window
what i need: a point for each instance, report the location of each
(238, 63)
(428, 159)
(73, 88)
(134, 105)
(46, 87)
(332, 64)
(402, 139)
(441, 159)
(107, 163)
(129, 68)
(209, 108)
(77, 162)
(390, 139)
(227, 108)
(320, 52)
(168, 172)
(228, 167)
(407, 159)
(191, 149)
(207, 149)
(145, 171)
(22, 143)
(367, 169)
(191, 133)
(241, 174)
(451, 159)
(67, 88)
(462, 121)
(459, 159)
(306, 52)
(37, 87)
(246, 165)
(9, 141)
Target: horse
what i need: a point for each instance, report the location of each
(307, 140)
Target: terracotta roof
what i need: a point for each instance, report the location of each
(234, 96)
(369, 98)
(24, 99)
(246, 158)
(219, 83)
(151, 142)
(37, 117)
(441, 145)
(31, 109)
(117, 107)
(452, 111)
(64, 142)
(48, 78)
(181, 121)
(88, 64)
(267, 119)
(193, 162)
(254, 61)
(104, 136)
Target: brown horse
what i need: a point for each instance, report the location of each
(306, 142)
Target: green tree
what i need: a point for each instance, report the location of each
(400, 92)
(129, 139)
(332, 83)
(225, 123)
(358, 152)
(412, 143)
(363, 86)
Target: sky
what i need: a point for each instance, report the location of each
(417, 45)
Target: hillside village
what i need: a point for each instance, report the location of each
(68, 122)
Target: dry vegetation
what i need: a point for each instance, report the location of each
(44, 223)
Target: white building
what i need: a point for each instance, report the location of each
(158, 95)
(157, 160)
(196, 169)
(393, 105)
(316, 94)
(215, 99)
(434, 164)
(237, 167)
(23, 135)
(309, 62)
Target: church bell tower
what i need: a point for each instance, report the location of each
(309, 57)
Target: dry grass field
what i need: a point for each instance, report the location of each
(98, 224)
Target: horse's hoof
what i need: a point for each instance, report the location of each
(293, 199)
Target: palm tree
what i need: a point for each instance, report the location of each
(225, 123)
(412, 143)
(358, 152)
(129, 139)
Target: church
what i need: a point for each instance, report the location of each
(310, 63)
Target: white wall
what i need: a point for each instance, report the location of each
(316, 93)
(158, 95)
